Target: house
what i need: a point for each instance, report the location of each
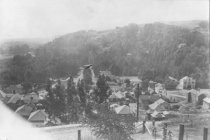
(116, 95)
(42, 94)
(159, 105)
(31, 98)
(206, 103)
(190, 95)
(159, 88)
(63, 82)
(38, 117)
(15, 98)
(151, 87)
(24, 110)
(124, 110)
(186, 83)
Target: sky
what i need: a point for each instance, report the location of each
(52, 18)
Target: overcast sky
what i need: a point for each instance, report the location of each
(50, 18)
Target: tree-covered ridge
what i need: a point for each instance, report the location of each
(152, 51)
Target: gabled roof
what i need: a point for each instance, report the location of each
(38, 116)
(15, 98)
(207, 100)
(124, 109)
(116, 95)
(156, 104)
(24, 110)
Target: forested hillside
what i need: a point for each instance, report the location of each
(151, 51)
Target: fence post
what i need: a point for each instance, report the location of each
(181, 132)
(205, 133)
(144, 127)
(79, 135)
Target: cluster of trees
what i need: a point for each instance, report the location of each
(153, 52)
(63, 103)
(72, 103)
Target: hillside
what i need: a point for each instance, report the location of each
(152, 51)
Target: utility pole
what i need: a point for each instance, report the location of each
(138, 92)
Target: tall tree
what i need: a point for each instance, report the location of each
(81, 92)
(102, 88)
(73, 101)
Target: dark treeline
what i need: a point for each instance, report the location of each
(153, 52)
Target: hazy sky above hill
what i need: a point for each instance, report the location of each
(50, 18)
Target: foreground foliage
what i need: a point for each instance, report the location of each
(105, 123)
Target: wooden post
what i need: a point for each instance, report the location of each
(153, 123)
(137, 114)
(144, 127)
(137, 110)
(205, 133)
(79, 135)
(181, 132)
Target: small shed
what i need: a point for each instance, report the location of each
(206, 103)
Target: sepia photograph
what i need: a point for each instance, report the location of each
(104, 70)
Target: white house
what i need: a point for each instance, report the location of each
(206, 103)
(186, 82)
